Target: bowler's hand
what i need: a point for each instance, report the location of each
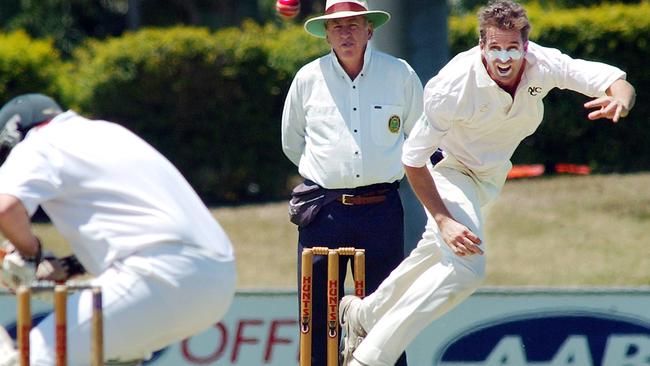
(607, 107)
(459, 238)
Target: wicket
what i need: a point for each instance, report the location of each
(24, 321)
(332, 298)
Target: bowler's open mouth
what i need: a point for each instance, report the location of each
(504, 70)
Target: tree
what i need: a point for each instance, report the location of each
(67, 22)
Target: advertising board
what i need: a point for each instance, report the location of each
(495, 326)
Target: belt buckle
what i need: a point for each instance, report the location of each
(345, 199)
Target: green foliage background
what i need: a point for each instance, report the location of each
(27, 65)
(211, 100)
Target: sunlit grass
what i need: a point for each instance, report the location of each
(560, 231)
(571, 231)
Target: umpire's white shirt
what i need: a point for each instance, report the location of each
(344, 133)
(476, 122)
(108, 192)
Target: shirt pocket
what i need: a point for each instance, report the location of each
(324, 124)
(386, 123)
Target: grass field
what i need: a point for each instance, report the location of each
(558, 231)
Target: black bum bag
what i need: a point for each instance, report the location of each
(306, 201)
(308, 198)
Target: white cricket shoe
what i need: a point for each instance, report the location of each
(354, 332)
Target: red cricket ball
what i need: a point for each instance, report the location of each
(287, 8)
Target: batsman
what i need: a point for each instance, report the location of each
(165, 266)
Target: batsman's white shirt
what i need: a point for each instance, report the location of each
(107, 191)
(165, 265)
(478, 126)
(344, 133)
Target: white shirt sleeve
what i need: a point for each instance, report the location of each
(30, 174)
(421, 143)
(430, 128)
(414, 95)
(587, 77)
(293, 124)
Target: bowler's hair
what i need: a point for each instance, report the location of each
(503, 14)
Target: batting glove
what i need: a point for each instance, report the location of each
(16, 269)
(59, 269)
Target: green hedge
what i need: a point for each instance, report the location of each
(467, 6)
(211, 102)
(28, 65)
(614, 34)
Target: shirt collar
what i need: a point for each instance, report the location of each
(59, 117)
(366, 62)
(65, 115)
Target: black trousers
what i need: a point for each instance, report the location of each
(377, 228)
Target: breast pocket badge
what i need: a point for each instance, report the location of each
(394, 123)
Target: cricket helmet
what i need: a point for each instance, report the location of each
(20, 114)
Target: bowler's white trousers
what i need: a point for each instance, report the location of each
(431, 280)
(150, 299)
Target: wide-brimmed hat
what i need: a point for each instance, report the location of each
(343, 9)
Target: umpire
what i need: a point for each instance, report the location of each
(345, 119)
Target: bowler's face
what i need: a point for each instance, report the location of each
(503, 52)
(348, 37)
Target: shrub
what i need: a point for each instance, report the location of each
(27, 65)
(211, 102)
